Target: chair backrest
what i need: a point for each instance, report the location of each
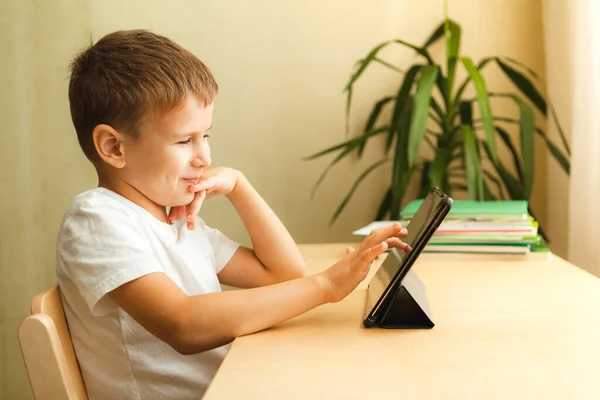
(48, 351)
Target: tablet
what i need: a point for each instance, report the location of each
(388, 278)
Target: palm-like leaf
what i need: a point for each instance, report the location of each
(401, 171)
(458, 151)
(505, 136)
(349, 148)
(452, 32)
(373, 120)
(554, 150)
(385, 206)
(402, 98)
(527, 129)
(420, 111)
(484, 105)
(472, 157)
(526, 87)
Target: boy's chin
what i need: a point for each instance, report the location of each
(183, 200)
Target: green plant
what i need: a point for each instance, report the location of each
(459, 141)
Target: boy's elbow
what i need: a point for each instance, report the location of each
(301, 270)
(180, 343)
(176, 337)
(301, 273)
(187, 340)
(187, 346)
(187, 349)
(290, 274)
(183, 348)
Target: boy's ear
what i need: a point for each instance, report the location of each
(109, 145)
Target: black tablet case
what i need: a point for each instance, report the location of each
(409, 307)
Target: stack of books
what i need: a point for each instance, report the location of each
(501, 227)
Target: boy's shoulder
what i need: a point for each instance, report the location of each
(100, 197)
(98, 213)
(96, 203)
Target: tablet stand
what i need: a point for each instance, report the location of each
(409, 307)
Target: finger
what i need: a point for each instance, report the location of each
(196, 204)
(380, 234)
(403, 233)
(176, 213)
(367, 257)
(350, 250)
(193, 209)
(395, 243)
(210, 193)
(407, 249)
(204, 185)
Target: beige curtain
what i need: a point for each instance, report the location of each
(584, 237)
(557, 24)
(573, 73)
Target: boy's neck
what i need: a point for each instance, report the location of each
(135, 196)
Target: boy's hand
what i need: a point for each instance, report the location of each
(214, 181)
(345, 275)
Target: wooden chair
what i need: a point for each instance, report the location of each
(48, 351)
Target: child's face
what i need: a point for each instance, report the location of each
(170, 153)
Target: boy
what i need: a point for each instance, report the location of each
(139, 272)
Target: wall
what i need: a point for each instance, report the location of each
(281, 67)
(40, 168)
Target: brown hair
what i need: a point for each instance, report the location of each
(128, 74)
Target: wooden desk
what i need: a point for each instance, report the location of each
(504, 330)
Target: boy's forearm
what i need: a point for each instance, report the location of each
(214, 319)
(271, 242)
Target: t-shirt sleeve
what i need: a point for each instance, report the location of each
(102, 248)
(222, 246)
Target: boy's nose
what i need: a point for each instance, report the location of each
(201, 162)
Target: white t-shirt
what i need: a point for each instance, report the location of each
(105, 241)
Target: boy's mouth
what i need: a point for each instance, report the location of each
(192, 181)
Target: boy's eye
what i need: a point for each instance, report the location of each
(189, 140)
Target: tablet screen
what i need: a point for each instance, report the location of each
(396, 260)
